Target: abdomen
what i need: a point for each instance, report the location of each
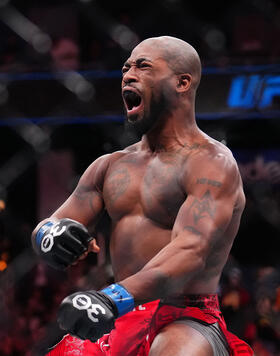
(135, 240)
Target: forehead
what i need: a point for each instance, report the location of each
(146, 50)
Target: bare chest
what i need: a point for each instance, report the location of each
(146, 187)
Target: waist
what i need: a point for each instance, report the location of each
(201, 301)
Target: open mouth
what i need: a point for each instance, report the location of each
(132, 100)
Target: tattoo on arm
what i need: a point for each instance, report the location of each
(81, 191)
(203, 207)
(214, 183)
(192, 230)
(84, 192)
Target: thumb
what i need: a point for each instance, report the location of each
(93, 247)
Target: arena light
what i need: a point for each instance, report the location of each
(2, 205)
(27, 30)
(4, 3)
(120, 33)
(42, 43)
(35, 137)
(126, 38)
(78, 85)
(3, 265)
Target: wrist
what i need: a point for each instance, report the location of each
(123, 300)
(41, 232)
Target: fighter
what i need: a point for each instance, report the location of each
(175, 199)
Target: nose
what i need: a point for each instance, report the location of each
(130, 76)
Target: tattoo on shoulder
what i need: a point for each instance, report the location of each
(212, 182)
(118, 183)
(204, 207)
(81, 191)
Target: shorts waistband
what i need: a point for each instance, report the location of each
(201, 301)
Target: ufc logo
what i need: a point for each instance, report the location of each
(254, 91)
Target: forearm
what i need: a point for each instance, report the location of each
(167, 273)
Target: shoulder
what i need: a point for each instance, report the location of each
(211, 162)
(94, 176)
(210, 153)
(102, 163)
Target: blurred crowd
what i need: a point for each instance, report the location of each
(99, 34)
(251, 305)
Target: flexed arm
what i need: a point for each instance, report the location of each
(63, 238)
(202, 235)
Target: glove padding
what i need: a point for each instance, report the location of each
(63, 243)
(87, 315)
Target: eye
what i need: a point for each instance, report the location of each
(124, 70)
(144, 65)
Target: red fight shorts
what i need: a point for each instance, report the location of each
(135, 331)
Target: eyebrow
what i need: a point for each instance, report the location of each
(137, 62)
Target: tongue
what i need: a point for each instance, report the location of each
(134, 105)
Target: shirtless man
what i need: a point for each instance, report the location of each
(175, 200)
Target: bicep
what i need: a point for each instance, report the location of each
(86, 204)
(204, 214)
(83, 205)
(208, 209)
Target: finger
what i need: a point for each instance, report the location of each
(74, 245)
(82, 257)
(81, 235)
(93, 247)
(64, 256)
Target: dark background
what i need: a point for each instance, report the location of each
(60, 108)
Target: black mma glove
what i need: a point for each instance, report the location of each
(62, 243)
(91, 314)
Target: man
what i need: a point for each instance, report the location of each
(175, 200)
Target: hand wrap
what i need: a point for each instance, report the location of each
(62, 243)
(91, 314)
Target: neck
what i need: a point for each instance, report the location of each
(172, 133)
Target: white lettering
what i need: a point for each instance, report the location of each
(83, 302)
(94, 310)
(47, 243)
(48, 240)
(55, 230)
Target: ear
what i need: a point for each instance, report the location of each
(184, 82)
